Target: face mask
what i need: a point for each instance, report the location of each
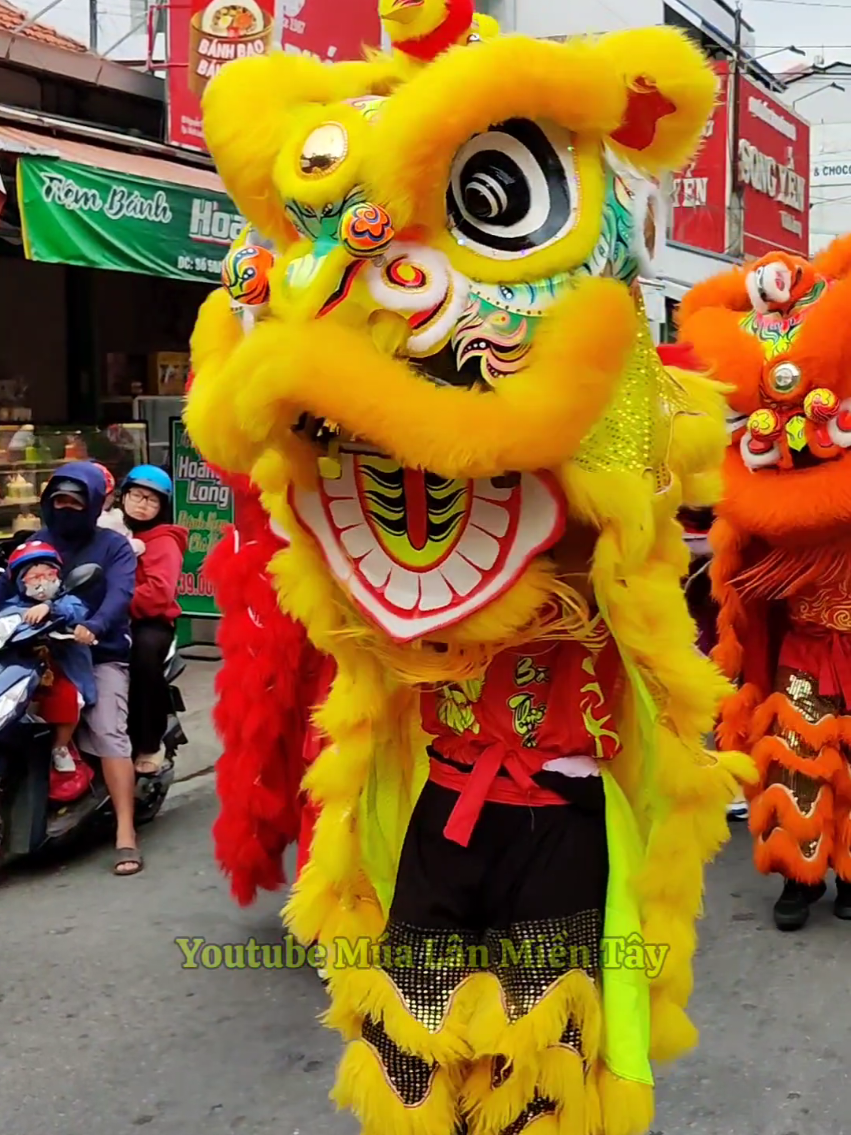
(43, 591)
(70, 524)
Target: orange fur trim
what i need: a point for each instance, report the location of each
(773, 750)
(737, 712)
(807, 506)
(780, 854)
(732, 356)
(830, 730)
(727, 549)
(785, 572)
(725, 290)
(834, 262)
(777, 803)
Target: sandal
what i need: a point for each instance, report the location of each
(128, 855)
(149, 765)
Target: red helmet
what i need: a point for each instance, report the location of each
(107, 476)
(33, 552)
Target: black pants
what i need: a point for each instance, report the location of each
(149, 704)
(525, 901)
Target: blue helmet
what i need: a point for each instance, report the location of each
(149, 477)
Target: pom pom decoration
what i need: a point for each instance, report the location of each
(820, 405)
(245, 274)
(366, 231)
(764, 424)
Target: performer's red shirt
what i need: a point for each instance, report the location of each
(539, 703)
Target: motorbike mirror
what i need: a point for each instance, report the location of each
(79, 577)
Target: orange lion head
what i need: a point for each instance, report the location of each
(778, 332)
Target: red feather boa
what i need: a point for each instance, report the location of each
(267, 683)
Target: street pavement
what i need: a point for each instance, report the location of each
(103, 1032)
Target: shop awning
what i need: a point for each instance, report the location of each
(99, 208)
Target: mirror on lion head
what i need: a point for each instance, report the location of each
(444, 294)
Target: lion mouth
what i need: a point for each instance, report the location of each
(419, 552)
(806, 459)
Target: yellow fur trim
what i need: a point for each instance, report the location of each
(682, 797)
(525, 1044)
(534, 419)
(626, 1109)
(360, 992)
(363, 1088)
(698, 439)
(248, 392)
(572, 996)
(217, 334)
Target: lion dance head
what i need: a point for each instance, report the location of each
(453, 343)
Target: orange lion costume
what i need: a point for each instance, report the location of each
(776, 331)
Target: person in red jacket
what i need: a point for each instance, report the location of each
(146, 499)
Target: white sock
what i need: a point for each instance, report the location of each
(62, 760)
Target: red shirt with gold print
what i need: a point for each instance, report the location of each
(537, 704)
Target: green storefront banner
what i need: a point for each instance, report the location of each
(204, 506)
(94, 218)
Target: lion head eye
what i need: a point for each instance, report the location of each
(513, 189)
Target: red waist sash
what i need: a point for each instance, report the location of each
(483, 784)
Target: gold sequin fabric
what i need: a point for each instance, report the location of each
(409, 1076)
(634, 434)
(531, 956)
(427, 967)
(801, 690)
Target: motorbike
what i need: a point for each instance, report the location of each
(30, 820)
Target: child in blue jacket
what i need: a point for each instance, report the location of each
(34, 584)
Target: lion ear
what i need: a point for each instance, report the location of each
(671, 92)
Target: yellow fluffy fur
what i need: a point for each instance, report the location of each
(250, 389)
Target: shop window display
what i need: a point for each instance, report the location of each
(30, 454)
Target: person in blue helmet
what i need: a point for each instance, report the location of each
(146, 500)
(70, 506)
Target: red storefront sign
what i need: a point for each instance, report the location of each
(774, 168)
(203, 35)
(331, 29)
(699, 200)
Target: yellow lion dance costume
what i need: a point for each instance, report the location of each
(455, 413)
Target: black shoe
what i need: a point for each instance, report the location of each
(792, 909)
(842, 904)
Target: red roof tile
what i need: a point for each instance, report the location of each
(11, 18)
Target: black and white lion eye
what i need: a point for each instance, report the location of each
(513, 189)
(839, 427)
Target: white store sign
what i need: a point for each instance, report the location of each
(831, 169)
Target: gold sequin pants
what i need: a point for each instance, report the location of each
(461, 1028)
(800, 816)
